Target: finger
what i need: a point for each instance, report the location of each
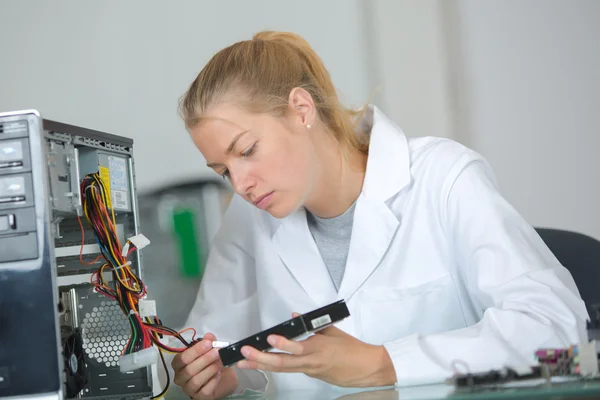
(277, 361)
(200, 379)
(295, 314)
(197, 366)
(191, 354)
(208, 389)
(290, 346)
(187, 356)
(249, 364)
(332, 331)
(207, 336)
(176, 362)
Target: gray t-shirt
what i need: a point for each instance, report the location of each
(332, 236)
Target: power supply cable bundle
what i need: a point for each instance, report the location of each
(126, 288)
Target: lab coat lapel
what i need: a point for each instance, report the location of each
(372, 233)
(298, 251)
(375, 225)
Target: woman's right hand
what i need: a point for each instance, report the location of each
(199, 371)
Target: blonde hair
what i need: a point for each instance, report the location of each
(260, 74)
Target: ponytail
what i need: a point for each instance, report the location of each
(265, 70)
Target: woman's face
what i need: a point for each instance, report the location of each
(269, 161)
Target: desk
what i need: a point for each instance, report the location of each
(567, 390)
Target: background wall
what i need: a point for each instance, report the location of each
(122, 67)
(526, 94)
(517, 81)
(410, 64)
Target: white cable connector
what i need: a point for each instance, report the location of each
(125, 250)
(139, 359)
(147, 308)
(140, 241)
(218, 344)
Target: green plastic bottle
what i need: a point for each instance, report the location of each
(191, 254)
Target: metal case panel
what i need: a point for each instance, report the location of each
(29, 337)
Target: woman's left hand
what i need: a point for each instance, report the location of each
(330, 355)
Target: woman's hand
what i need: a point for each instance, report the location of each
(199, 371)
(330, 355)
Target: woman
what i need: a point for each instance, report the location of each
(434, 265)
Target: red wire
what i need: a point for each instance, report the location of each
(103, 225)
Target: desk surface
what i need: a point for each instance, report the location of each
(578, 389)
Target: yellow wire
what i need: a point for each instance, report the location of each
(105, 196)
(124, 275)
(121, 275)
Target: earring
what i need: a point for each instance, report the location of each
(307, 126)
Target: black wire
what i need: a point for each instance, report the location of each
(98, 219)
(164, 363)
(106, 238)
(173, 333)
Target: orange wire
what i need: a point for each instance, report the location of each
(189, 329)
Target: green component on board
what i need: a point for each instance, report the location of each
(191, 260)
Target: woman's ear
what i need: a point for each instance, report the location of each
(302, 106)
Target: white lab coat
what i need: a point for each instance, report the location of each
(440, 269)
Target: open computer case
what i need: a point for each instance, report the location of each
(60, 337)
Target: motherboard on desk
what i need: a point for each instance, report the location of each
(556, 367)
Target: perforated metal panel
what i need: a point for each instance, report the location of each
(105, 333)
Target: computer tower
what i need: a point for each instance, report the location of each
(60, 337)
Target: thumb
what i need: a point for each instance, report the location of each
(295, 314)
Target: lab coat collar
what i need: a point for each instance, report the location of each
(387, 173)
(388, 165)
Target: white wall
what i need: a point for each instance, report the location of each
(121, 67)
(519, 81)
(527, 91)
(409, 65)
